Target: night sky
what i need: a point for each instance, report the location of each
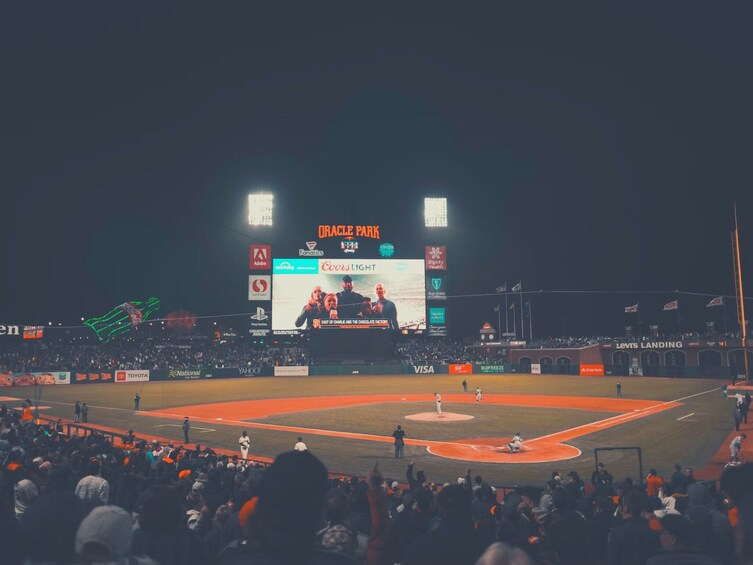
(578, 153)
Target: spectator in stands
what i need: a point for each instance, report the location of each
(710, 526)
(632, 541)
(454, 541)
(25, 494)
(653, 482)
(162, 533)
(287, 516)
(93, 489)
(602, 480)
(105, 535)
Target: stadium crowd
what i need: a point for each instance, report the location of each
(143, 354)
(75, 499)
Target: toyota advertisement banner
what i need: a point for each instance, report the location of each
(131, 376)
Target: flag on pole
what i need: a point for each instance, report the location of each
(718, 301)
(502, 288)
(496, 308)
(518, 287)
(674, 305)
(512, 306)
(631, 309)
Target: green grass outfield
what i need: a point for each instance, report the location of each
(664, 437)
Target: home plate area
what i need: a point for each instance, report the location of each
(494, 450)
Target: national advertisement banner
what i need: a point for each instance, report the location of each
(131, 376)
(535, 368)
(184, 374)
(460, 368)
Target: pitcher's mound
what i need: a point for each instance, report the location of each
(443, 417)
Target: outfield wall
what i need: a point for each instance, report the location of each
(455, 370)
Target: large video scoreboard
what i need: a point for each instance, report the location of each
(399, 281)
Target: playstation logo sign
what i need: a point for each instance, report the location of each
(260, 315)
(311, 250)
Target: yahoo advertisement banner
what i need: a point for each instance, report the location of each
(400, 281)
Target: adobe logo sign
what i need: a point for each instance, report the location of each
(259, 287)
(259, 257)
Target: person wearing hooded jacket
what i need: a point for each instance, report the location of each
(709, 525)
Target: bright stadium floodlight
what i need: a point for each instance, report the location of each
(260, 207)
(435, 212)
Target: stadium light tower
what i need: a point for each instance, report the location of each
(260, 206)
(435, 212)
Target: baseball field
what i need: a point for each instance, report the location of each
(348, 421)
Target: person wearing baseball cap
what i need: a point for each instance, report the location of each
(349, 302)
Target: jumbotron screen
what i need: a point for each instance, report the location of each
(348, 294)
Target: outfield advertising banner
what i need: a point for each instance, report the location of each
(535, 368)
(592, 370)
(131, 376)
(460, 368)
(6, 379)
(44, 378)
(492, 368)
(183, 374)
(423, 369)
(86, 378)
(292, 371)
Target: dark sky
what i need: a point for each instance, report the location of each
(578, 152)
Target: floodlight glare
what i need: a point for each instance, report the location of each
(435, 212)
(260, 209)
